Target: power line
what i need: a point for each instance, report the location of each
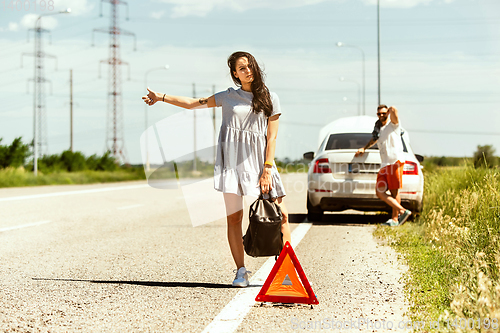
(65, 28)
(437, 132)
(279, 22)
(440, 131)
(11, 47)
(329, 104)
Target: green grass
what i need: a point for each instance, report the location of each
(453, 248)
(427, 281)
(12, 177)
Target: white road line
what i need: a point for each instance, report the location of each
(24, 226)
(57, 194)
(235, 311)
(131, 206)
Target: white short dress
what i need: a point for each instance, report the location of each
(242, 144)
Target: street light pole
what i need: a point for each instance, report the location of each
(378, 47)
(35, 80)
(194, 129)
(213, 119)
(71, 110)
(146, 110)
(340, 44)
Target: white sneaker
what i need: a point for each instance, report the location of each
(390, 223)
(241, 279)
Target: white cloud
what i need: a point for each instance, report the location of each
(158, 15)
(401, 3)
(28, 22)
(13, 26)
(182, 8)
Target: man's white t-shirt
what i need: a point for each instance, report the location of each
(390, 144)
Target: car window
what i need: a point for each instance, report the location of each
(348, 141)
(321, 146)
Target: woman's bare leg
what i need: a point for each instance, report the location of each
(285, 226)
(234, 210)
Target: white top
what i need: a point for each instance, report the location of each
(242, 145)
(390, 144)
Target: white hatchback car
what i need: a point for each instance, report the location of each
(338, 181)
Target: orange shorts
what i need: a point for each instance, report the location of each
(390, 177)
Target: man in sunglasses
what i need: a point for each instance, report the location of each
(387, 134)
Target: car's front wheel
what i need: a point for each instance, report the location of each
(313, 213)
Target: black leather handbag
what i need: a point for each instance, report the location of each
(263, 237)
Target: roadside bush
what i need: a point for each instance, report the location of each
(75, 161)
(287, 166)
(104, 163)
(442, 161)
(15, 154)
(484, 157)
(65, 168)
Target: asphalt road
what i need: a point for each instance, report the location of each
(125, 257)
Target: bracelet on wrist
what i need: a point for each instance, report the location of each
(164, 97)
(268, 163)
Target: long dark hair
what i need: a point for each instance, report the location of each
(261, 100)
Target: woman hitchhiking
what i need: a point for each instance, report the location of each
(246, 146)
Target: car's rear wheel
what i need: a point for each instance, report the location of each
(414, 215)
(314, 217)
(313, 213)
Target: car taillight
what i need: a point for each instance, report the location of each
(322, 166)
(410, 168)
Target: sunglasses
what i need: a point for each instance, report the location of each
(381, 113)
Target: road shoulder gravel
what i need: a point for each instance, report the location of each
(354, 276)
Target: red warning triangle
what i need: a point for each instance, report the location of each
(283, 285)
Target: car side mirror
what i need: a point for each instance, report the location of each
(309, 155)
(420, 158)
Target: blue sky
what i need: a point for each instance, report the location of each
(440, 66)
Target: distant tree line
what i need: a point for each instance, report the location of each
(445, 161)
(484, 157)
(19, 154)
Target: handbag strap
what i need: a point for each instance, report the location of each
(252, 206)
